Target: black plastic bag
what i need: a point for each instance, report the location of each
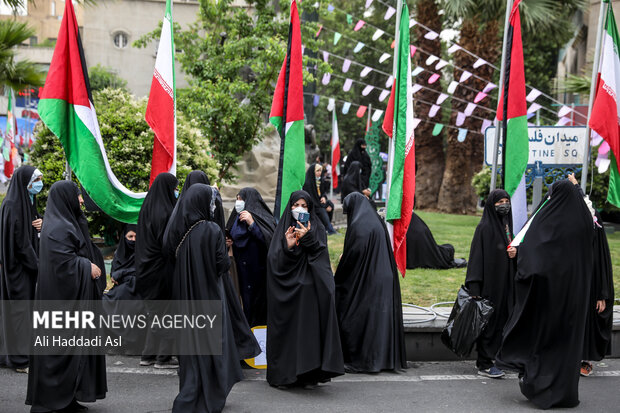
(467, 320)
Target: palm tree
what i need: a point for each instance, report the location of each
(480, 33)
(429, 151)
(16, 74)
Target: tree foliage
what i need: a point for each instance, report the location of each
(101, 77)
(13, 73)
(129, 144)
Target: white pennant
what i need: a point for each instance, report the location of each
(377, 115)
(464, 76)
(431, 59)
(489, 87)
(417, 71)
(534, 93)
(389, 13)
(533, 108)
(431, 35)
(345, 107)
(485, 124)
(365, 71)
(460, 118)
(383, 95)
(347, 85)
(564, 110)
(433, 111)
(442, 63)
(377, 34)
(412, 23)
(384, 57)
(331, 104)
(415, 88)
(479, 63)
(452, 87)
(367, 90)
(441, 98)
(390, 81)
(470, 108)
(345, 65)
(454, 48)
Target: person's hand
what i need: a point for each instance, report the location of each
(300, 232)
(512, 252)
(571, 177)
(323, 200)
(228, 242)
(95, 272)
(329, 209)
(366, 192)
(600, 306)
(113, 281)
(291, 240)
(37, 223)
(246, 217)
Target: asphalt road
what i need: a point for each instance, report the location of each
(424, 387)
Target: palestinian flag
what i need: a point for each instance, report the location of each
(66, 108)
(9, 136)
(512, 108)
(398, 124)
(287, 115)
(161, 107)
(335, 150)
(605, 117)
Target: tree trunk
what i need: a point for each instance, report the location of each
(464, 159)
(429, 152)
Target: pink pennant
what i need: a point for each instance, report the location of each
(345, 65)
(367, 90)
(359, 25)
(460, 118)
(434, 77)
(489, 87)
(464, 76)
(383, 95)
(413, 49)
(441, 98)
(347, 85)
(318, 32)
(470, 108)
(326, 78)
(433, 111)
(361, 111)
(479, 97)
(479, 63)
(604, 148)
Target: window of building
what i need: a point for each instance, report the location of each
(33, 40)
(120, 39)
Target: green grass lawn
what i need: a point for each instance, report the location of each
(425, 287)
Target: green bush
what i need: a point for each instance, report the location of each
(129, 144)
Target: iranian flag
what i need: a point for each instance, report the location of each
(9, 136)
(161, 108)
(335, 150)
(399, 125)
(605, 117)
(287, 115)
(512, 107)
(66, 108)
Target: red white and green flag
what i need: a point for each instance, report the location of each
(512, 107)
(9, 136)
(335, 150)
(161, 107)
(66, 107)
(287, 115)
(605, 117)
(399, 125)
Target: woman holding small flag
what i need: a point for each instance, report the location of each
(490, 274)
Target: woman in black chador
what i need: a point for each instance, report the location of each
(247, 346)
(490, 274)
(352, 181)
(543, 338)
(20, 224)
(153, 268)
(368, 294)
(359, 154)
(303, 343)
(70, 269)
(198, 245)
(123, 271)
(424, 252)
(317, 188)
(250, 226)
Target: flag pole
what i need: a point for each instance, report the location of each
(331, 150)
(502, 77)
(390, 166)
(595, 69)
(368, 119)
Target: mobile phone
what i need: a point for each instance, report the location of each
(303, 217)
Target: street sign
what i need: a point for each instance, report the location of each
(560, 146)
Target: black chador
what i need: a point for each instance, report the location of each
(424, 252)
(352, 181)
(303, 343)
(201, 263)
(19, 261)
(543, 339)
(490, 274)
(368, 298)
(250, 246)
(66, 253)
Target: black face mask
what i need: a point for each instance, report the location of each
(502, 209)
(131, 244)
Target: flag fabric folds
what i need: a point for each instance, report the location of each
(399, 125)
(287, 115)
(512, 108)
(161, 107)
(9, 137)
(605, 117)
(66, 107)
(335, 150)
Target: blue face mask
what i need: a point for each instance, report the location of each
(36, 187)
(176, 193)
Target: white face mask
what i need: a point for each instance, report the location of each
(296, 212)
(239, 206)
